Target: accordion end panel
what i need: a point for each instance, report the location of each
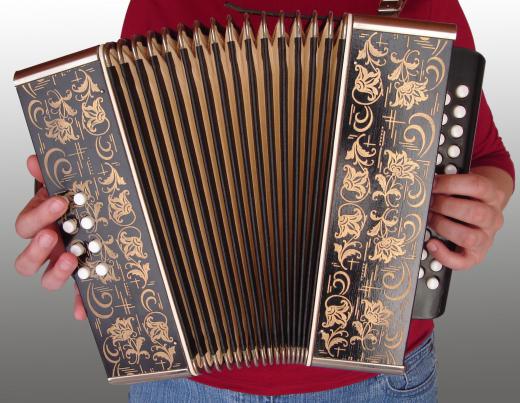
(76, 129)
(379, 193)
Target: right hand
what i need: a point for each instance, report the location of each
(37, 223)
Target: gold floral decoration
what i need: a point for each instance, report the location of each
(94, 116)
(355, 181)
(122, 330)
(401, 166)
(388, 248)
(131, 245)
(376, 313)
(369, 83)
(120, 207)
(409, 92)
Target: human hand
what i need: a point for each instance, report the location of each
(467, 209)
(37, 223)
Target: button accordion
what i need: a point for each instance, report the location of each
(244, 198)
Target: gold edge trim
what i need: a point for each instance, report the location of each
(357, 365)
(332, 177)
(57, 69)
(146, 216)
(407, 27)
(151, 376)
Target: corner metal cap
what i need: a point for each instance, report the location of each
(56, 65)
(405, 26)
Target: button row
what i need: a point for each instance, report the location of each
(101, 270)
(462, 91)
(70, 226)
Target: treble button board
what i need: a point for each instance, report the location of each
(458, 129)
(78, 227)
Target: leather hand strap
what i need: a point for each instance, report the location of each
(391, 7)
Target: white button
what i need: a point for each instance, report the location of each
(70, 226)
(444, 119)
(427, 235)
(77, 249)
(80, 199)
(421, 272)
(453, 151)
(462, 91)
(459, 111)
(435, 265)
(87, 223)
(101, 269)
(94, 246)
(448, 99)
(450, 169)
(439, 159)
(456, 131)
(441, 139)
(83, 273)
(424, 254)
(432, 283)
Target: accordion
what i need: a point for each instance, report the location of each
(255, 197)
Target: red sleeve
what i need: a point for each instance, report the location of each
(489, 148)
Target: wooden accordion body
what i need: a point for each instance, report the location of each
(258, 198)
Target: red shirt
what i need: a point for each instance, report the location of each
(145, 15)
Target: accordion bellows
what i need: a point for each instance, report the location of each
(259, 198)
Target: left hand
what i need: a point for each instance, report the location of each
(470, 222)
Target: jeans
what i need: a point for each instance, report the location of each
(417, 384)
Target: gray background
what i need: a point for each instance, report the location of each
(47, 356)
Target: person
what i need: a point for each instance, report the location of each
(465, 209)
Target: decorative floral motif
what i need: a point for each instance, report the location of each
(409, 92)
(376, 313)
(355, 181)
(112, 181)
(157, 329)
(350, 222)
(136, 269)
(120, 209)
(337, 312)
(94, 116)
(387, 249)
(369, 83)
(122, 330)
(131, 244)
(60, 128)
(401, 166)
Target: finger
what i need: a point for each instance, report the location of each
(459, 234)
(58, 273)
(457, 260)
(37, 215)
(470, 185)
(34, 168)
(36, 253)
(466, 210)
(79, 308)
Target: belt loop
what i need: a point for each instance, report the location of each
(391, 7)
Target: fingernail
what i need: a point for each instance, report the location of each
(431, 247)
(58, 205)
(46, 240)
(65, 264)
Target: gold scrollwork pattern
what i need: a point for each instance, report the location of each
(81, 151)
(381, 199)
